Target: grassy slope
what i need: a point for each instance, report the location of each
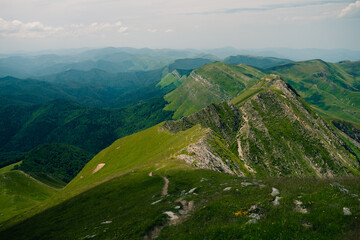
(132, 215)
(212, 83)
(19, 192)
(134, 151)
(124, 155)
(328, 87)
(171, 79)
(9, 167)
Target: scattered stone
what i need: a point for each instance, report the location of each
(81, 176)
(262, 185)
(171, 215)
(182, 212)
(177, 207)
(346, 211)
(254, 217)
(274, 192)
(227, 189)
(183, 192)
(150, 174)
(340, 187)
(276, 201)
(299, 208)
(237, 190)
(253, 208)
(203, 179)
(153, 203)
(89, 236)
(192, 190)
(353, 195)
(256, 209)
(307, 225)
(106, 222)
(245, 184)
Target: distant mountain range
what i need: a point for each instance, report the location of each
(116, 60)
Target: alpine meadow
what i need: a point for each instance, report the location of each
(179, 120)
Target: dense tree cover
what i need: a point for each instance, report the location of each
(59, 161)
(23, 128)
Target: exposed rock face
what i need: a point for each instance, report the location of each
(272, 132)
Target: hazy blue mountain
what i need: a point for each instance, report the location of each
(258, 62)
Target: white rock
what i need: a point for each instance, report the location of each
(171, 215)
(192, 190)
(276, 201)
(106, 222)
(227, 189)
(245, 184)
(254, 218)
(153, 203)
(274, 192)
(346, 211)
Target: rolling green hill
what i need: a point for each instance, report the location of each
(254, 61)
(333, 89)
(90, 88)
(266, 131)
(172, 80)
(212, 83)
(19, 192)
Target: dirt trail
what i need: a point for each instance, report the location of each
(165, 188)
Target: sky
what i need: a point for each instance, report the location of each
(32, 25)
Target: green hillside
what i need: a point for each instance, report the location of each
(255, 61)
(212, 83)
(128, 207)
(171, 80)
(19, 192)
(188, 63)
(333, 89)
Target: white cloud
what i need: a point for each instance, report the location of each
(352, 10)
(152, 30)
(19, 29)
(122, 29)
(169, 30)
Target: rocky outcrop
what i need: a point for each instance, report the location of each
(272, 133)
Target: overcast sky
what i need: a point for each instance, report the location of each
(52, 24)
